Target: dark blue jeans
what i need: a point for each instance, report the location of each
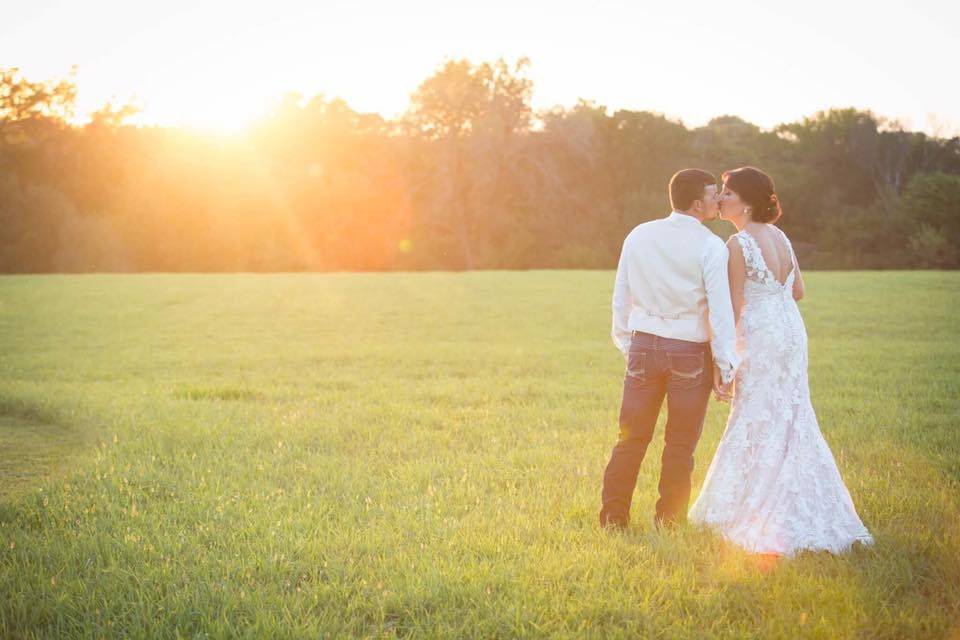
(657, 367)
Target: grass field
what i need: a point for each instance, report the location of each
(379, 455)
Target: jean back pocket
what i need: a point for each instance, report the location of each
(687, 370)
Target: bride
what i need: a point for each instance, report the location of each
(773, 486)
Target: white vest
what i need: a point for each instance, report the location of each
(672, 282)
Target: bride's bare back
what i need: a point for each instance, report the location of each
(776, 253)
(774, 249)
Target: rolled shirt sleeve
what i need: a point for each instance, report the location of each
(720, 308)
(622, 304)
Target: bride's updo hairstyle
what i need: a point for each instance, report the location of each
(756, 189)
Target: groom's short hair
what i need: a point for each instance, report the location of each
(688, 185)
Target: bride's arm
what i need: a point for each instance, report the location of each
(797, 276)
(737, 272)
(797, 279)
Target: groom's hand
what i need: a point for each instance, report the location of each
(722, 392)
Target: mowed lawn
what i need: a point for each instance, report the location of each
(379, 455)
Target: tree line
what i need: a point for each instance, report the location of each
(470, 177)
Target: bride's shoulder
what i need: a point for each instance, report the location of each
(735, 247)
(735, 241)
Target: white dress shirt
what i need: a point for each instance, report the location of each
(672, 282)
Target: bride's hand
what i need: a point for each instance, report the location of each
(722, 392)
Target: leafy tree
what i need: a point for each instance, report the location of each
(471, 114)
(931, 204)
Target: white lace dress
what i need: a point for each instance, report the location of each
(773, 485)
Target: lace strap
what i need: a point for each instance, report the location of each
(756, 268)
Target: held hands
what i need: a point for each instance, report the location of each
(722, 392)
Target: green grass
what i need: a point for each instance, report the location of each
(378, 455)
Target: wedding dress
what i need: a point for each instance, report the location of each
(773, 485)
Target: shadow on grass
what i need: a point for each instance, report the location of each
(36, 445)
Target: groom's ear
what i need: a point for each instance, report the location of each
(687, 187)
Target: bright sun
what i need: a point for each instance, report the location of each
(224, 113)
(211, 96)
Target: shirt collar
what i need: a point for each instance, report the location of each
(683, 218)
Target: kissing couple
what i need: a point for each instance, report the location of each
(691, 314)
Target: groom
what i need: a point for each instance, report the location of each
(673, 321)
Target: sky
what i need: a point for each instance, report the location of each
(219, 64)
